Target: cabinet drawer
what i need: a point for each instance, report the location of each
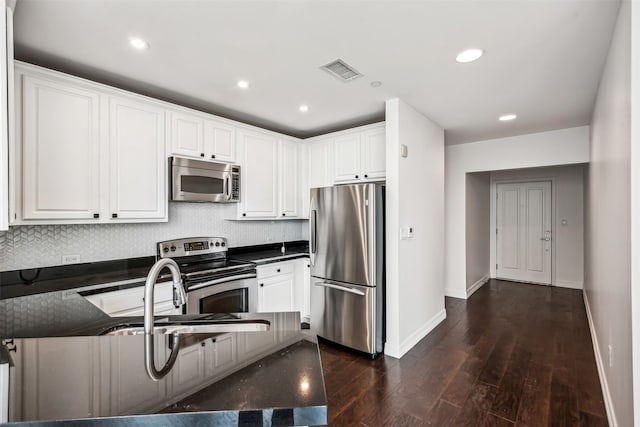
(274, 269)
(126, 301)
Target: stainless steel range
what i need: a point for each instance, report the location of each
(214, 283)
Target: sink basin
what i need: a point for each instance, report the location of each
(192, 327)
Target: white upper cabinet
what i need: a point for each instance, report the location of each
(192, 135)
(219, 141)
(61, 149)
(84, 153)
(359, 154)
(259, 174)
(320, 163)
(346, 160)
(136, 159)
(187, 135)
(269, 176)
(6, 87)
(288, 167)
(374, 154)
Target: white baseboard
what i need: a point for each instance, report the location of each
(608, 403)
(455, 293)
(477, 285)
(568, 284)
(417, 335)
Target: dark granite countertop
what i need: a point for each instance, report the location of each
(123, 273)
(66, 373)
(265, 254)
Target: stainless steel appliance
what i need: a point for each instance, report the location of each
(214, 284)
(347, 265)
(200, 181)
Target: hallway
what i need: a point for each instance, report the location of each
(513, 354)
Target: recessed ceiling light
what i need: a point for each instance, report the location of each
(376, 83)
(138, 43)
(469, 55)
(507, 117)
(303, 108)
(243, 84)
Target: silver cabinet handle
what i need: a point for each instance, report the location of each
(340, 288)
(221, 280)
(546, 239)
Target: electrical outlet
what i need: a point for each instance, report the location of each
(70, 259)
(610, 356)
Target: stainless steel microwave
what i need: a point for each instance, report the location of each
(200, 181)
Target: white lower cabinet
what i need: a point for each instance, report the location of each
(305, 272)
(253, 344)
(189, 371)
(276, 284)
(130, 302)
(130, 389)
(223, 354)
(53, 388)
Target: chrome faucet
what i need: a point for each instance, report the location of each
(179, 295)
(179, 299)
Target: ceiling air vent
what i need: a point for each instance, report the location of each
(341, 70)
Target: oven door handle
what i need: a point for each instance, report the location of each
(221, 280)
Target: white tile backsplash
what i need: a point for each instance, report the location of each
(30, 246)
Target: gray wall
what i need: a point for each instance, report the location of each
(608, 224)
(40, 246)
(477, 230)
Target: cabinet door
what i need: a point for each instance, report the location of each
(288, 165)
(259, 175)
(186, 135)
(61, 149)
(58, 378)
(306, 287)
(131, 390)
(223, 355)
(346, 158)
(137, 160)
(188, 372)
(374, 154)
(219, 141)
(320, 164)
(276, 294)
(252, 345)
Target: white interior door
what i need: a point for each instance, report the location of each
(523, 216)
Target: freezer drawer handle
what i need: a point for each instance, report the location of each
(340, 288)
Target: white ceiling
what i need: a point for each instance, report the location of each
(543, 59)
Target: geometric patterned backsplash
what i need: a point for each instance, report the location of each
(30, 246)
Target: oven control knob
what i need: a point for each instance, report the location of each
(173, 248)
(217, 243)
(165, 250)
(224, 244)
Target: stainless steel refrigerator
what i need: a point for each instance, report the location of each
(347, 265)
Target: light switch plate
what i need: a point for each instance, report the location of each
(406, 233)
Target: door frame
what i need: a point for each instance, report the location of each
(494, 222)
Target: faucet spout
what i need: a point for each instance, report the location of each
(179, 298)
(179, 294)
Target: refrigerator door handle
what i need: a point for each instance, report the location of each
(313, 218)
(340, 288)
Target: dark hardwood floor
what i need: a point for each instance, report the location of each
(511, 355)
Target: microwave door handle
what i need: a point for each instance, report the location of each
(227, 185)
